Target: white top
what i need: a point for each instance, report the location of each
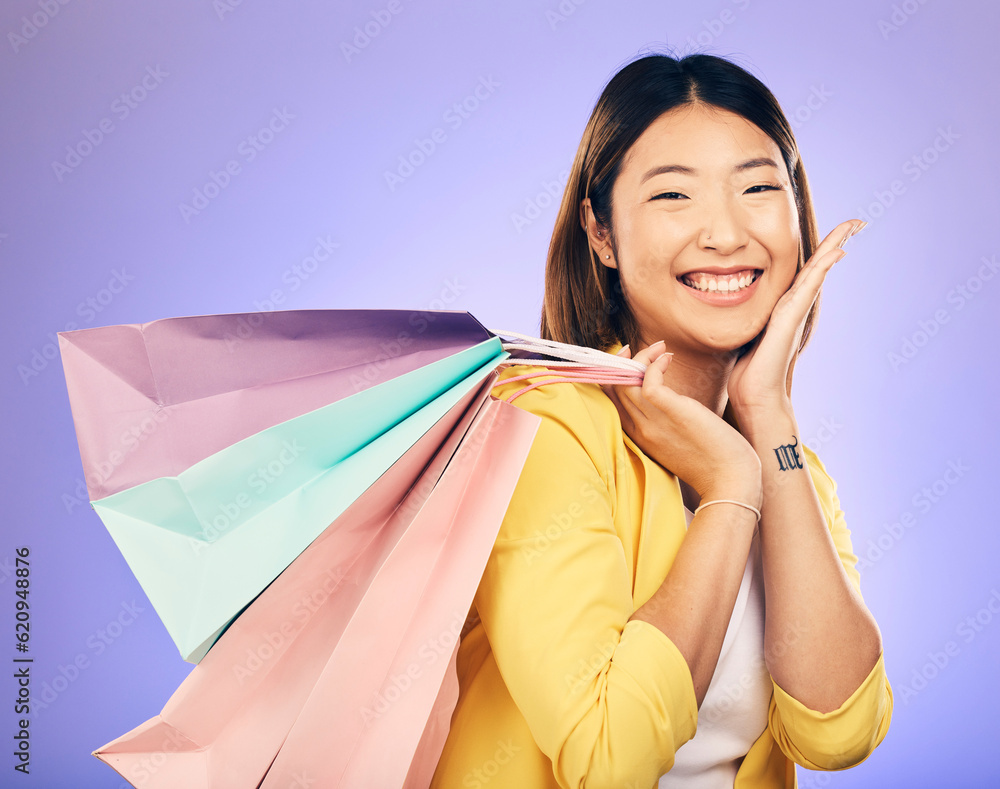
(734, 712)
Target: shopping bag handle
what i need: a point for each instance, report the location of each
(576, 363)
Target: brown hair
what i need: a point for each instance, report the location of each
(584, 303)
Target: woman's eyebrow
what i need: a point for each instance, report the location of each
(749, 164)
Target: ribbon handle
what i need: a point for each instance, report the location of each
(574, 363)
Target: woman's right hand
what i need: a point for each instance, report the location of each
(685, 437)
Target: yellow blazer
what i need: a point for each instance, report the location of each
(557, 687)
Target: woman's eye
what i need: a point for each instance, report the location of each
(757, 189)
(764, 187)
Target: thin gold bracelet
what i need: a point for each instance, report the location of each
(754, 510)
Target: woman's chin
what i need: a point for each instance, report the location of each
(735, 341)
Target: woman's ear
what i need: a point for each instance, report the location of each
(597, 235)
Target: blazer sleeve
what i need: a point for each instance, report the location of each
(607, 700)
(847, 735)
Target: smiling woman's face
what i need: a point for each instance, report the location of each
(706, 229)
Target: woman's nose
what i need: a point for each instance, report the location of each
(723, 231)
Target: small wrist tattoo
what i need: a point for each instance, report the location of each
(788, 456)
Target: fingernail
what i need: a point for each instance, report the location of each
(855, 229)
(622, 351)
(658, 342)
(665, 353)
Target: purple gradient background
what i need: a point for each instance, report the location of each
(448, 237)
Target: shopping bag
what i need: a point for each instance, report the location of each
(375, 746)
(349, 654)
(150, 400)
(205, 542)
(222, 475)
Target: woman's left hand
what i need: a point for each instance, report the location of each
(761, 380)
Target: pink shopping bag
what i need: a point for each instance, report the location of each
(343, 668)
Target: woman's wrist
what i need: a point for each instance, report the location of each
(730, 502)
(762, 427)
(747, 489)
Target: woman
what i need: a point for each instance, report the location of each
(618, 634)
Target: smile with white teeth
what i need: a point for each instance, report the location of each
(722, 283)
